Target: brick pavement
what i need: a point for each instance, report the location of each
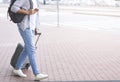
(65, 54)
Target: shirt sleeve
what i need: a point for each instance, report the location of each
(17, 4)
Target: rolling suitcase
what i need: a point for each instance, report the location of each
(17, 53)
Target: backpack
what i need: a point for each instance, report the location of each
(15, 17)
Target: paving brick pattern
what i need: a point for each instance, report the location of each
(65, 54)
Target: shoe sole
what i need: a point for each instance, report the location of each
(40, 79)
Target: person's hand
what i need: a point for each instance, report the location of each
(36, 31)
(32, 11)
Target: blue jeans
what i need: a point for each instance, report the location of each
(29, 50)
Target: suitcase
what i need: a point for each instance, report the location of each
(17, 53)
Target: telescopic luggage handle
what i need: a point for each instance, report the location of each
(37, 39)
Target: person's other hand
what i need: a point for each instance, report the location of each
(37, 31)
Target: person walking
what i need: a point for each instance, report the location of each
(27, 29)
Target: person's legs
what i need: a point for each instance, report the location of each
(29, 49)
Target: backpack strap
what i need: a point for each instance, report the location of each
(31, 4)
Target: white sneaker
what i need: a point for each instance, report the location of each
(19, 73)
(40, 77)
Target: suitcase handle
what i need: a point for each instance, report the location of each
(37, 38)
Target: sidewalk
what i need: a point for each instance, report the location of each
(65, 54)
